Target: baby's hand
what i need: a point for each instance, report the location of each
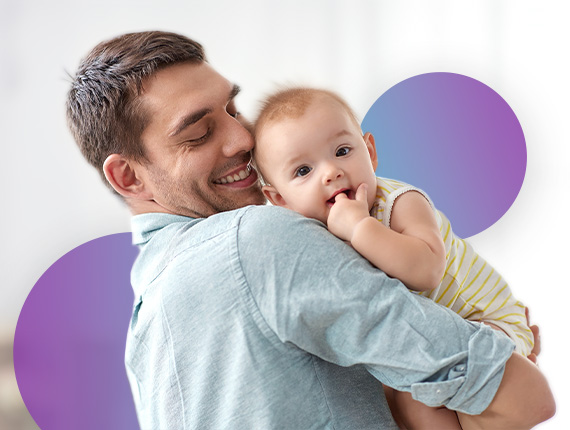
(346, 213)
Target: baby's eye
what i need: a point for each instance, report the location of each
(302, 171)
(341, 152)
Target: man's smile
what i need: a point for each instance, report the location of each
(241, 177)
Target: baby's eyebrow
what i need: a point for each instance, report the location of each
(341, 133)
(291, 163)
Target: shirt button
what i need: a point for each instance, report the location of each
(438, 391)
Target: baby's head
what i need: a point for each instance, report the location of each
(309, 147)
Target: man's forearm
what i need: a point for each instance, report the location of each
(522, 401)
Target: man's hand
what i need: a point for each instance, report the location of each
(536, 333)
(345, 214)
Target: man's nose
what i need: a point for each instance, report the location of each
(332, 172)
(238, 138)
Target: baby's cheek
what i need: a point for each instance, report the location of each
(321, 214)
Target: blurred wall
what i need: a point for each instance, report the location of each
(53, 202)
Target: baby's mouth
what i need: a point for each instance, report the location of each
(349, 193)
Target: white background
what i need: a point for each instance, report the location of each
(53, 202)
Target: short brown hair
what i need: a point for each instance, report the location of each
(104, 112)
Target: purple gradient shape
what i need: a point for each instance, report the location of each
(70, 339)
(455, 138)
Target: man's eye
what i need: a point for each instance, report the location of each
(341, 152)
(302, 171)
(200, 140)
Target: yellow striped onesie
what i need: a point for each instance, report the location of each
(470, 286)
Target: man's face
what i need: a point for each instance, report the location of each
(198, 152)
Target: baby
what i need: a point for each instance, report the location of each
(313, 159)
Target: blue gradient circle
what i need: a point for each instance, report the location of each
(70, 340)
(455, 138)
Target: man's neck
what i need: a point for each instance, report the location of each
(138, 207)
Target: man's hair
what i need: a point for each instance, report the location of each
(104, 111)
(291, 103)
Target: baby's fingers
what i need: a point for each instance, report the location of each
(361, 193)
(339, 197)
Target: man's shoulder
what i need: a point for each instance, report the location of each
(274, 220)
(269, 212)
(269, 234)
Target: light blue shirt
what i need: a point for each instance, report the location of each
(261, 319)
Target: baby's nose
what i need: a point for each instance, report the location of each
(332, 173)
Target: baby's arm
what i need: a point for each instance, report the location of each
(412, 250)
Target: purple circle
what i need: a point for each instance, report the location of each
(455, 138)
(70, 339)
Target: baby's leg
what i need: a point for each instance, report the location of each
(413, 415)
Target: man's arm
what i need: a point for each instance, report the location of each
(515, 406)
(316, 292)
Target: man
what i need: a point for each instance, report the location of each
(252, 316)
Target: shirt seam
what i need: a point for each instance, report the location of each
(174, 257)
(314, 362)
(172, 359)
(271, 335)
(250, 301)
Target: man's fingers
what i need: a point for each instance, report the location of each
(535, 332)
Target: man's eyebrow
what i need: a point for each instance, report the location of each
(188, 120)
(194, 117)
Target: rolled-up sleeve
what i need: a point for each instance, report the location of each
(471, 384)
(320, 296)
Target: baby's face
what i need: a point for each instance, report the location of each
(309, 160)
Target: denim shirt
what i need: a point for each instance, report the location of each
(259, 318)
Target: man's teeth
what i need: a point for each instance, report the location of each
(240, 176)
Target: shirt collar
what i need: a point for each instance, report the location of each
(145, 225)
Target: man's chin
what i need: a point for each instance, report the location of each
(242, 197)
(245, 192)
(256, 198)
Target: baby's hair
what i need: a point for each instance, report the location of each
(293, 102)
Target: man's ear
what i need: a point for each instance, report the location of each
(121, 174)
(371, 146)
(273, 196)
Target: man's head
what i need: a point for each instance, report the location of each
(309, 148)
(160, 125)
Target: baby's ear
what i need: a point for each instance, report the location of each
(371, 146)
(273, 196)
